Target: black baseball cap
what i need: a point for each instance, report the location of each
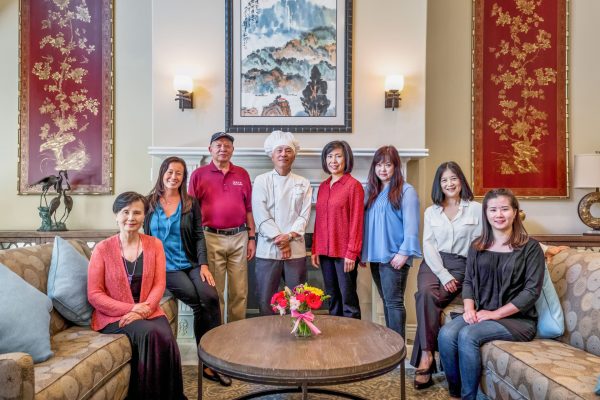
(219, 135)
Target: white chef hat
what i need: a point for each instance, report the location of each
(279, 138)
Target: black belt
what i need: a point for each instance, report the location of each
(226, 232)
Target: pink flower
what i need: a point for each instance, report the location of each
(294, 303)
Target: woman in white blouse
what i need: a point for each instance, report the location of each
(450, 225)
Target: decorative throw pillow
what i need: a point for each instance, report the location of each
(24, 317)
(551, 320)
(67, 283)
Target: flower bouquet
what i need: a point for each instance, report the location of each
(300, 302)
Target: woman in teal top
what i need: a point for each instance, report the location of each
(175, 219)
(391, 233)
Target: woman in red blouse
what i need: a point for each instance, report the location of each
(337, 239)
(126, 280)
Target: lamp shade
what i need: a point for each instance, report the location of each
(587, 171)
(394, 82)
(182, 82)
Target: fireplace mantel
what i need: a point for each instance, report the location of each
(307, 162)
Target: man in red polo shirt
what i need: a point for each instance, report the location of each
(224, 191)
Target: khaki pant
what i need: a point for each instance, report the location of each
(227, 259)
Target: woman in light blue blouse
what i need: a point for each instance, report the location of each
(391, 233)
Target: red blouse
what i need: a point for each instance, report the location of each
(339, 218)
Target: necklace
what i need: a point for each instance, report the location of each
(137, 256)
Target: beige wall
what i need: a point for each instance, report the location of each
(389, 37)
(154, 40)
(133, 125)
(158, 39)
(448, 113)
(448, 109)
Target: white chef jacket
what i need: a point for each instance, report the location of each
(280, 204)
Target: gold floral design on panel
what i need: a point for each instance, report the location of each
(67, 105)
(522, 125)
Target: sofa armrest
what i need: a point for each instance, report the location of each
(170, 308)
(17, 378)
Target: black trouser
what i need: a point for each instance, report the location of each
(268, 276)
(430, 300)
(155, 360)
(341, 286)
(187, 286)
(391, 284)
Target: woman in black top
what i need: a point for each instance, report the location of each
(175, 219)
(504, 276)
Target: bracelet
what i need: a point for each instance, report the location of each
(252, 238)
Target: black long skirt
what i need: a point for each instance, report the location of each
(155, 360)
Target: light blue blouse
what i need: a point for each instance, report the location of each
(168, 230)
(389, 231)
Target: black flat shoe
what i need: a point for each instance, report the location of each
(428, 372)
(224, 380)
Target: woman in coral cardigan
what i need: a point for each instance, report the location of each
(126, 281)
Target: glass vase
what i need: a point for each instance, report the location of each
(303, 330)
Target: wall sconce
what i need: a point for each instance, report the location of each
(393, 86)
(587, 175)
(184, 86)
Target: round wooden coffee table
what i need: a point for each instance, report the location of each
(262, 350)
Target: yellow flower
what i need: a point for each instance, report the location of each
(314, 290)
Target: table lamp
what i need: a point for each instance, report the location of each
(587, 175)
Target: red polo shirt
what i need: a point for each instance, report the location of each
(224, 198)
(339, 218)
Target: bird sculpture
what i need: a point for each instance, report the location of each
(50, 211)
(68, 201)
(47, 183)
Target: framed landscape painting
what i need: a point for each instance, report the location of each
(289, 65)
(66, 94)
(520, 101)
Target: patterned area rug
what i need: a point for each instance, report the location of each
(385, 387)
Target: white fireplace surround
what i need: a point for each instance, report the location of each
(307, 164)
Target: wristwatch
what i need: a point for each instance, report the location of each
(290, 237)
(252, 238)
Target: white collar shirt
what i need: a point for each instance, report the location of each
(280, 204)
(440, 234)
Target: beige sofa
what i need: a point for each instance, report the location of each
(564, 368)
(86, 364)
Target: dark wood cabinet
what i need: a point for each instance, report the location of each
(11, 239)
(591, 242)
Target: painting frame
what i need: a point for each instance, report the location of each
(72, 128)
(519, 126)
(237, 123)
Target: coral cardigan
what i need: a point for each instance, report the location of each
(108, 287)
